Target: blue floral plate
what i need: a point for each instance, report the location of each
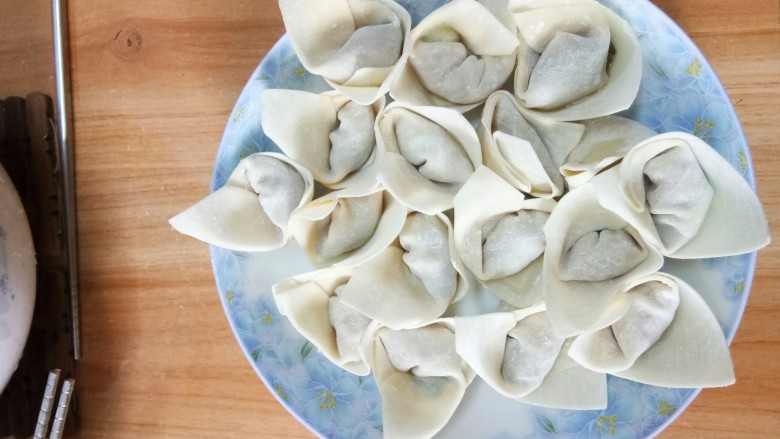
(679, 92)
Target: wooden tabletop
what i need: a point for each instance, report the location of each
(154, 83)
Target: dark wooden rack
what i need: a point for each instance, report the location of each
(29, 154)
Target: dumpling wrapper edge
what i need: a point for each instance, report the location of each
(575, 306)
(304, 299)
(691, 353)
(735, 223)
(232, 216)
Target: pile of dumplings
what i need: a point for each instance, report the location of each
(495, 172)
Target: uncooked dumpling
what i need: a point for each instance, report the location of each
(412, 282)
(453, 61)
(521, 356)
(329, 134)
(348, 226)
(530, 352)
(591, 253)
(513, 149)
(601, 255)
(674, 183)
(251, 211)
(664, 334)
(420, 377)
(615, 348)
(500, 237)
(512, 351)
(425, 154)
(311, 301)
(576, 60)
(353, 44)
(684, 198)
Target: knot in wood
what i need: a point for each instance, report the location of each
(128, 41)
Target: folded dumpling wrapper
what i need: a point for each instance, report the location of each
(499, 236)
(251, 211)
(312, 303)
(500, 10)
(513, 149)
(512, 351)
(453, 61)
(570, 386)
(604, 143)
(412, 282)
(420, 377)
(426, 154)
(328, 133)
(666, 335)
(685, 199)
(356, 45)
(522, 343)
(348, 226)
(576, 60)
(591, 254)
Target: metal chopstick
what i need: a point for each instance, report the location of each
(63, 405)
(44, 416)
(61, 415)
(67, 160)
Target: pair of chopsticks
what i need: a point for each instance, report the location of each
(47, 405)
(60, 37)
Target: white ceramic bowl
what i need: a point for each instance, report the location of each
(17, 278)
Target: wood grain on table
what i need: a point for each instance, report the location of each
(154, 83)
